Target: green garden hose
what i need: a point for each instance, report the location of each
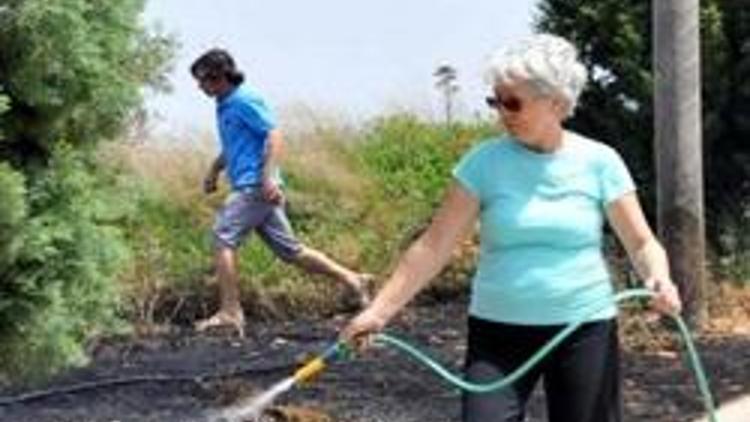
(503, 382)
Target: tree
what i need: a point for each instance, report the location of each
(727, 93)
(446, 84)
(74, 70)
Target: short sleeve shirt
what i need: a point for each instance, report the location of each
(244, 122)
(541, 228)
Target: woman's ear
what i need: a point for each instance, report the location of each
(561, 108)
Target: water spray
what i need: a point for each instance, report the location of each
(252, 408)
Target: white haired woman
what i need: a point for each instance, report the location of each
(541, 194)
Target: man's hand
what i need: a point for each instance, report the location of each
(271, 192)
(667, 299)
(210, 183)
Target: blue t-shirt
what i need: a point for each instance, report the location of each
(541, 224)
(244, 122)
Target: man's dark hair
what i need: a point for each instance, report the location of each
(216, 63)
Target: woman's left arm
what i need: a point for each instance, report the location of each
(646, 253)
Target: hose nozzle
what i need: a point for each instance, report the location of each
(314, 367)
(310, 370)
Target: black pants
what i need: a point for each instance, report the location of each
(581, 376)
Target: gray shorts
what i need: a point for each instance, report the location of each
(247, 210)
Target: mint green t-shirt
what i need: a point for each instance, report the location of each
(541, 222)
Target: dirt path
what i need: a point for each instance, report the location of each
(180, 376)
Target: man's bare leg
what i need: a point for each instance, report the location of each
(230, 308)
(317, 262)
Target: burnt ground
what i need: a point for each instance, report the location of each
(179, 375)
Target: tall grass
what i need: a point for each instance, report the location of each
(357, 194)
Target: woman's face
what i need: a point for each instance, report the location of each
(526, 115)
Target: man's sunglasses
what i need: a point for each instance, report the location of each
(510, 104)
(208, 77)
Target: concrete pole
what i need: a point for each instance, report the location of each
(678, 148)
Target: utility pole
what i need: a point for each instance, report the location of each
(678, 148)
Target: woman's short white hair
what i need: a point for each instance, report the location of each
(547, 62)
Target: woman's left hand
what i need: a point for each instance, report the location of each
(667, 299)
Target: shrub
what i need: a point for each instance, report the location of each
(734, 245)
(58, 290)
(12, 214)
(75, 70)
(411, 161)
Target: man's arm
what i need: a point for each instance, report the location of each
(210, 181)
(274, 148)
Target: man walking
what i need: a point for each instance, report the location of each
(250, 149)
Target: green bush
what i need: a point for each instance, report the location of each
(4, 106)
(75, 70)
(12, 214)
(58, 290)
(412, 159)
(4, 103)
(733, 245)
(72, 70)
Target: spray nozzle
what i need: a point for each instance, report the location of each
(308, 372)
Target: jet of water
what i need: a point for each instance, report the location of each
(252, 408)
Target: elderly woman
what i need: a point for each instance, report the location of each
(541, 194)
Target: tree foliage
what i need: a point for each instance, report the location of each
(4, 106)
(12, 213)
(61, 252)
(3, 103)
(615, 41)
(74, 70)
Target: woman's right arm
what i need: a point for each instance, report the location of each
(421, 263)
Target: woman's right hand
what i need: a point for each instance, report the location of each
(361, 330)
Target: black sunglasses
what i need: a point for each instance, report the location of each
(208, 76)
(510, 104)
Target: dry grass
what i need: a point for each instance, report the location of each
(326, 192)
(729, 308)
(174, 169)
(320, 159)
